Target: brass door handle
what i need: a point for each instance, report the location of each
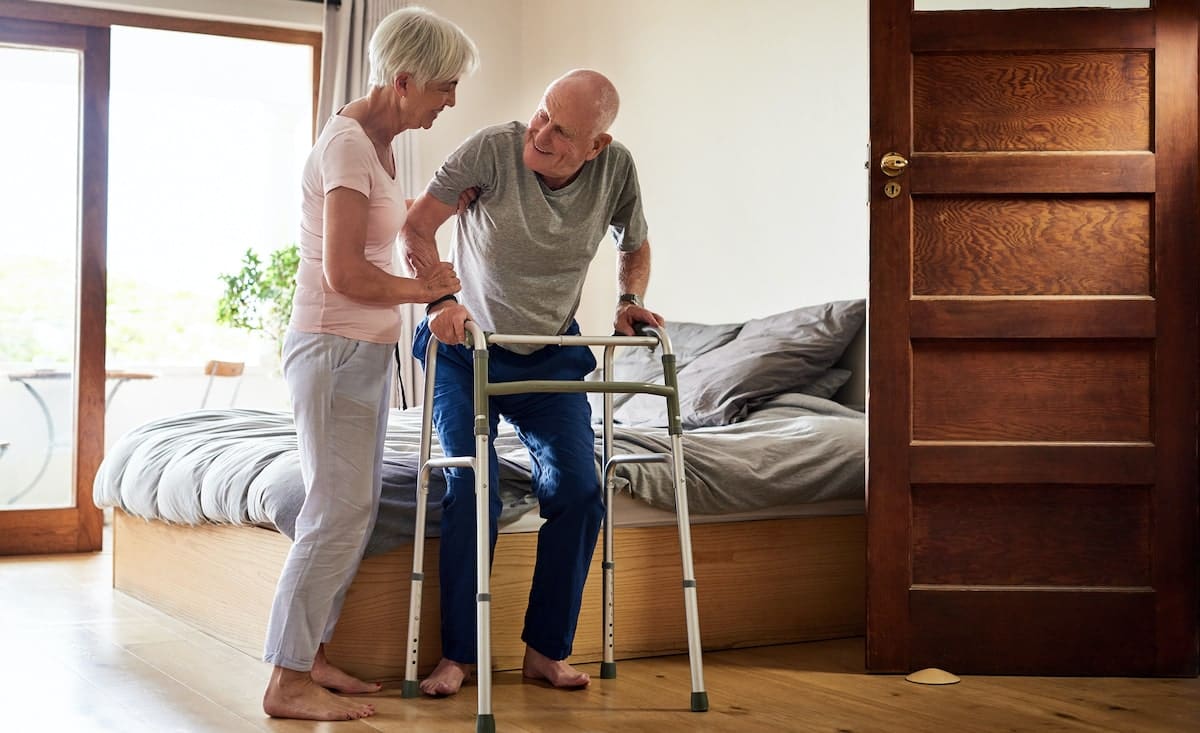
(893, 164)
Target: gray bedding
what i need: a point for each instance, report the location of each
(240, 467)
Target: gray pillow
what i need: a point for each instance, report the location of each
(827, 385)
(688, 341)
(780, 353)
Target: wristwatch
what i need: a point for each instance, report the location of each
(631, 298)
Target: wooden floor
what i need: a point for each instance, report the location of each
(81, 657)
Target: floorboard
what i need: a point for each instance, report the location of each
(83, 657)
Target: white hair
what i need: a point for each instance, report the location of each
(426, 46)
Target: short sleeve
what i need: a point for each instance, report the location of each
(346, 163)
(472, 165)
(628, 225)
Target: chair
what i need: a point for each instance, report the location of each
(224, 369)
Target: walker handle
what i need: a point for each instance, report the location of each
(640, 328)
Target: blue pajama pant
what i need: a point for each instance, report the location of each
(556, 428)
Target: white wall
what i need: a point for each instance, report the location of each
(489, 95)
(749, 125)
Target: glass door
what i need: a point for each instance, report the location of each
(52, 314)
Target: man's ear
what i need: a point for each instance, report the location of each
(599, 144)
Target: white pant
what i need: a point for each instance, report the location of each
(339, 390)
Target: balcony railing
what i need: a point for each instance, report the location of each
(37, 418)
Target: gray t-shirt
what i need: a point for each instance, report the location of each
(522, 250)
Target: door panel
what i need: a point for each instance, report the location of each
(1044, 391)
(1004, 101)
(1031, 246)
(1036, 631)
(1032, 400)
(1035, 535)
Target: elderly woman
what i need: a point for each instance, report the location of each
(337, 353)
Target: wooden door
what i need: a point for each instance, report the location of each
(64, 519)
(1032, 469)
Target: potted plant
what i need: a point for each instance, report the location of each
(258, 298)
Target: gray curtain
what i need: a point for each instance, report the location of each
(344, 74)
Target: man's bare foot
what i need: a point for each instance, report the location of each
(293, 694)
(558, 673)
(446, 679)
(327, 675)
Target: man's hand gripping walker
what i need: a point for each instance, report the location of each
(479, 342)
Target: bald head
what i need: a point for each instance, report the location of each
(589, 92)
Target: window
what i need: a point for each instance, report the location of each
(208, 136)
(189, 147)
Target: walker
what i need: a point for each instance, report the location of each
(479, 341)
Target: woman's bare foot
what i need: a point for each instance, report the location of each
(558, 673)
(447, 678)
(327, 675)
(293, 694)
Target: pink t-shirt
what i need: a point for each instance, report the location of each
(345, 157)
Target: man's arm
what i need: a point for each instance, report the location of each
(633, 277)
(447, 320)
(348, 271)
(418, 238)
(633, 270)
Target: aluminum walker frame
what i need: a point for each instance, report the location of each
(483, 389)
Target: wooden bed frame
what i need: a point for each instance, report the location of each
(760, 582)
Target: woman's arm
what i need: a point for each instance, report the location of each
(348, 271)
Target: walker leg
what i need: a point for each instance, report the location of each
(608, 667)
(411, 687)
(699, 702)
(485, 722)
(608, 664)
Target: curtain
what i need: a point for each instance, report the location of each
(345, 71)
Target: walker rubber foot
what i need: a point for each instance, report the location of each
(608, 670)
(699, 702)
(485, 723)
(411, 688)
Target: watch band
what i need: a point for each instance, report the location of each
(631, 298)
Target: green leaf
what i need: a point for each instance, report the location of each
(258, 297)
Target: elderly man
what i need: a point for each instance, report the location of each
(548, 192)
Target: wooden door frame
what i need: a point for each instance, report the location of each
(1177, 218)
(80, 528)
(889, 363)
(1171, 318)
(77, 528)
(56, 12)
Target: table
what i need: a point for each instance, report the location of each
(29, 380)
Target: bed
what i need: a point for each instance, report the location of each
(774, 438)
